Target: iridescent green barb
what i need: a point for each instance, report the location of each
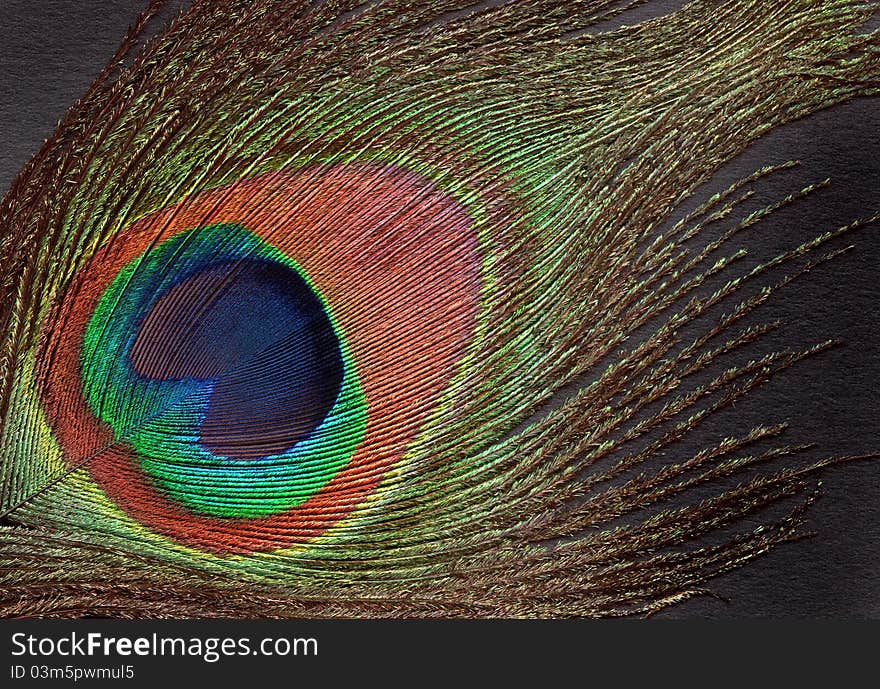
(519, 334)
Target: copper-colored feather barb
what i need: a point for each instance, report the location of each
(394, 309)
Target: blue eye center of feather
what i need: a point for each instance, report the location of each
(217, 362)
(260, 332)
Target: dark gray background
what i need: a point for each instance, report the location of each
(51, 50)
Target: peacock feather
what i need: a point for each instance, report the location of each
(333, 308)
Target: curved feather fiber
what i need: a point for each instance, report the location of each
(502, 166)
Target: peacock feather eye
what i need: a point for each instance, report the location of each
(215, 364)
(223, 378)
(409, 308)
